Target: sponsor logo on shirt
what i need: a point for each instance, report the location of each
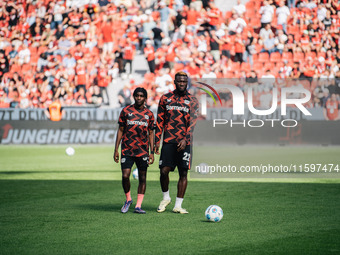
(177, 108)
(136, 122)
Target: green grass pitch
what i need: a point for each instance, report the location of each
(54, 204)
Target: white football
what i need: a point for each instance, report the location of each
(135, 174)
(214, 213)
(70, 151)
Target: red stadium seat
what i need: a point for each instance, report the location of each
(263, 57)
(279, 65)
(287, 56)
(268, 65)
(258, 66)
(275, 57)
(235, 66)
(245, 67)
(293, 30)
(299, 57)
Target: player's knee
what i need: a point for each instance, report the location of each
(164, 171)
(126, 173)
(142, 177)
(126, 176)
(183, 173)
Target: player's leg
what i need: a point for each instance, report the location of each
(126, 180)
(164, 180)
(142, 166)
(181, 188)
(142, 181)
(166, 164)
(126, 164)
(182, 182)
(183, 164)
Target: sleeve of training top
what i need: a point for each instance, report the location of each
(122, 119)
(160, 120)
(192, 119)
(151, 121)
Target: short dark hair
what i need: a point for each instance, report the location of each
(139, 89)
(181, 73)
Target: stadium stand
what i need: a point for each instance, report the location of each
(72, 50)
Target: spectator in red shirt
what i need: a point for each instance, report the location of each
(308, 70)
(215, 16)
(134, 37)
(239, 48)
(81, 77)
(128, 54)
(192, 16)
(331, 108)
(149, 54)
(107, 35)
(103, 80)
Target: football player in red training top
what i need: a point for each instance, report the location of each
(176, 116)
(136, 124)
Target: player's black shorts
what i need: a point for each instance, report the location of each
(172, 158)
(142, 163)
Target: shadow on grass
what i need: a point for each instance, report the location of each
(208, 221)
(113, 207)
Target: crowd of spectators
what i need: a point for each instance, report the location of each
(72, 50)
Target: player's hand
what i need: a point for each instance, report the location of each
(157, 149)
(116, 156)
(181, 145)
(151, 159)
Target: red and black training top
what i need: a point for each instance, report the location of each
(177, 115)
(136, 123)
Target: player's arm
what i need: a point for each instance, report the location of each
(118, 140)
(191, 122)
(151, 138)
(152, 144)
(159, 124)
(119, 136)
(193, 118)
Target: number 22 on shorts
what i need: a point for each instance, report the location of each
(186, 156)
